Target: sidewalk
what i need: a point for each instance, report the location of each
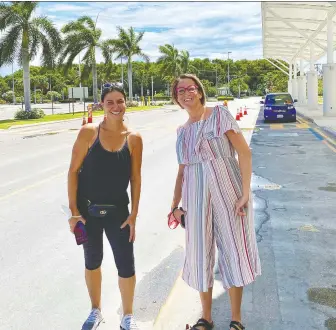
(327, 124)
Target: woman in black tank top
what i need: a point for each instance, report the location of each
(105, 160)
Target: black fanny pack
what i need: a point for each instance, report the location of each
(97, 210)
(101, 210)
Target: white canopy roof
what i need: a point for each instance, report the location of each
(289, 28)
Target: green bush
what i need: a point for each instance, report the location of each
(160, 95)
(2, 101)
(33, 114)
(223, 98)
(161, 98)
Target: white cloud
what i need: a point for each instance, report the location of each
(205, 29)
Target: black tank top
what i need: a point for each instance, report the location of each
(105, 175)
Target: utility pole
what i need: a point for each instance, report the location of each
(229, 72)
(152, 88)
(122, 72)
(216, 80)
(14, 100)
(79, 71)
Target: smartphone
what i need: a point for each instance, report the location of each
(79, 231)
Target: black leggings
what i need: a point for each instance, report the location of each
(118, 238)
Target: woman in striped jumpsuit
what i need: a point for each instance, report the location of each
(216, 199)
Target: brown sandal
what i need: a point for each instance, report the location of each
(236, 325)
(203, 323)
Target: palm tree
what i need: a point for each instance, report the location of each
(83, 36)
(24, 36)
(170, 60)
(186, 65)
(127, 45)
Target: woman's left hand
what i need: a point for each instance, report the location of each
(131, 222)
(241, 206)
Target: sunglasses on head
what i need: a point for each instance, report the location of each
(117, 84)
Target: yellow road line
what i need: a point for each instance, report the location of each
(170, 294)
(18, 191)
(329, 145)
(276, 126)
(332, 142)
(302, 125)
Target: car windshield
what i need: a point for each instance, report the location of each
(280, 99)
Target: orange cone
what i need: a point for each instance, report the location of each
(245, 111)
(238, 115)
(241, 112)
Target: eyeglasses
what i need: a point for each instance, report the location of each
(190, 89)
(116, 84)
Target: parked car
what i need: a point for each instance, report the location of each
(279, 106)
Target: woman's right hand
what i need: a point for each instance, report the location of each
(73, 222)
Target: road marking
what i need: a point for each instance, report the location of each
(171, 293)
(276, 126)
(32, 175)
(331, 141)
(18, 191)
(35, 154)
(302, 125)
(329, 145)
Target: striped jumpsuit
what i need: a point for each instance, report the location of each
(212, 184)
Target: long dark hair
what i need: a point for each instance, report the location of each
(114, 87)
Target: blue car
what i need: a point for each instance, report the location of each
(279, 106)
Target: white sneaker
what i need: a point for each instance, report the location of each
(128, 323)
(93, 321)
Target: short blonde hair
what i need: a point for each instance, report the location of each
(196, 81)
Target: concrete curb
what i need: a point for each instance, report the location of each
(330, 132)
(69, 120)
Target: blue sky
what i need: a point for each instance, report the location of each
(205, 29)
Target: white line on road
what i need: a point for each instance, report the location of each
(15, 192)
(49, 169)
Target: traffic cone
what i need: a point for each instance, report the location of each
(245, 111)
(241, 112)
(238, 115)
(84, 121)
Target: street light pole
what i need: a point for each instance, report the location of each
(79, 71)
(229, 71)
(122, 72)
(14, 100)
(152, 89)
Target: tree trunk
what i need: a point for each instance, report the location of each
(130, 92)
(94, 77)
(141, 88)
(26, 73)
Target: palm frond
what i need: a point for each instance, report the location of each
(8, 17)
(107, 50)
(9, 45)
